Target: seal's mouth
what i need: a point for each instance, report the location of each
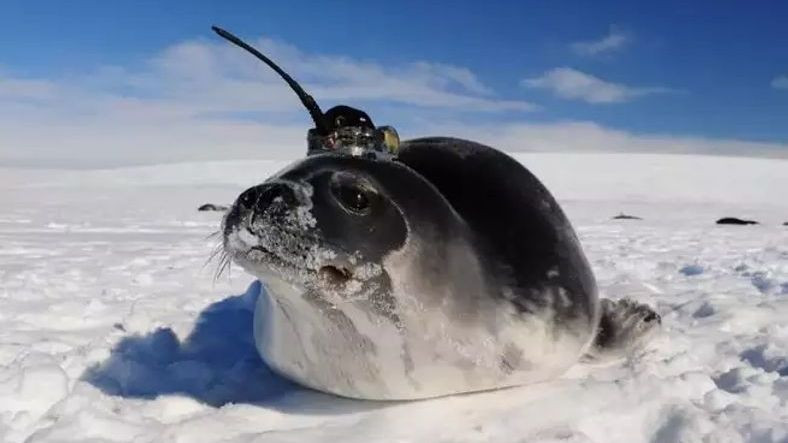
(335, 276)
(334, 272)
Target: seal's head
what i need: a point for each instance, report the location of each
(326, 224)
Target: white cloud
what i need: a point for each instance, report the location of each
(223, 75)
(614, 41)
(24, 89)
(572, 84)
(185, 102)
(780, 82)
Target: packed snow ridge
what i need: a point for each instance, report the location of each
(112, 327)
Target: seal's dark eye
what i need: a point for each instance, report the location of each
(353, 196)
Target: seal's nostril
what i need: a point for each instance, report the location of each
(271, 192)
(260, 197)
(249, 197)
(287, 194)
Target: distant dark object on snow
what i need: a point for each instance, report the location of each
(212, 207)
(735, 221)
(622, 216)
(691, 270)
(785, 224)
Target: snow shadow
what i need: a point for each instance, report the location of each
(216, 364)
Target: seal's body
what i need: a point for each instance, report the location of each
(401, 272)
(450, 270)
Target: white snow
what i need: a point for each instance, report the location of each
(113, 329)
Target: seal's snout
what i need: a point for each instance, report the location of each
(258, 198)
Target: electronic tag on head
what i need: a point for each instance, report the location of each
(342, 129)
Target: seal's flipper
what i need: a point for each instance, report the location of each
(624, 325)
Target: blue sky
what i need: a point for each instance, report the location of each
(703, 76)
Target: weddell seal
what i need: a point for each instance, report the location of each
(434, 267)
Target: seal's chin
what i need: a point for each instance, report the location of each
(334, 274)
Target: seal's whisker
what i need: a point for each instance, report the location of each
(224, 260)
(224, 265)
(218, 249)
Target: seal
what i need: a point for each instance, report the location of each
(450, 270)
(404, 271)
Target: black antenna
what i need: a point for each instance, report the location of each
(309, 102)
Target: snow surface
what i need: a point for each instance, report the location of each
(112, 327)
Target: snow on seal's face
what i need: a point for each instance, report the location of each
(322, 229)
